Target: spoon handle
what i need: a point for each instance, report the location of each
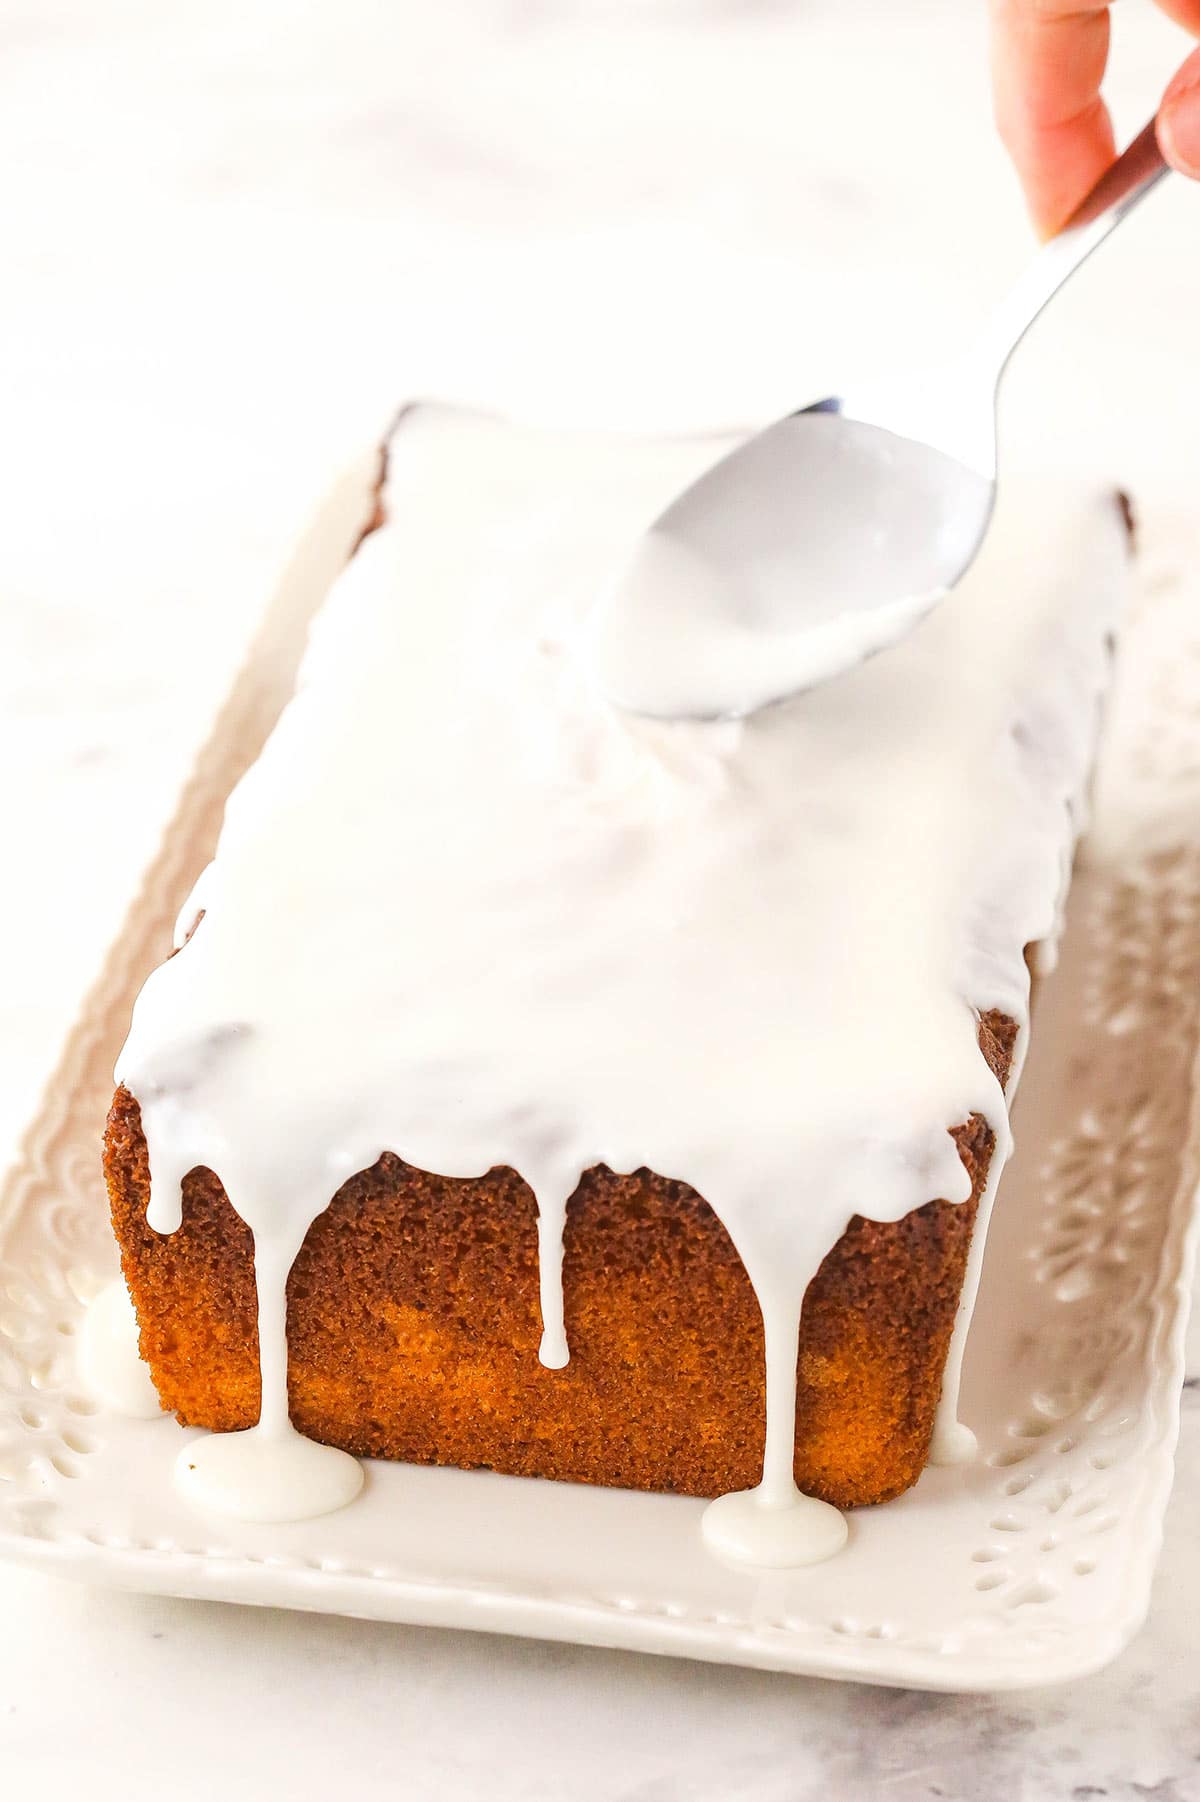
(1117, 192)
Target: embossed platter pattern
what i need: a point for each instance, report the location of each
(1031, 1566)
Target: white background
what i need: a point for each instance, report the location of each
(233, 236)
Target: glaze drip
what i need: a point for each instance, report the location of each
(526, 929)
(110, 1363)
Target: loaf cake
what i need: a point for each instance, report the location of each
(573, 1095)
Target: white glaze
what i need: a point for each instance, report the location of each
(110, 1363)
(270, 1472)
(524, 928)
(267, 1475)
(817, 543)
(746, 1529)
(773, 1525)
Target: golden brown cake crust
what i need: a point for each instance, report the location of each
(413, 1325)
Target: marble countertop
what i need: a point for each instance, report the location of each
(236, 235)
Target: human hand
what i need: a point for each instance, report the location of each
(1048, 60)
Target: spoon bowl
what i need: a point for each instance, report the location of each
(812, 545)
(827, 537)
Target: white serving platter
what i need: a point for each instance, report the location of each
(1029, 1567)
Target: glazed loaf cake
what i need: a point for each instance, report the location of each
(414, 1325)
(521, 1059)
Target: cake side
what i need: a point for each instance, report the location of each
(413, 1325)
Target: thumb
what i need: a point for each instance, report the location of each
(1179, 119)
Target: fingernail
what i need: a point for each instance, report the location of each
(1179, 130)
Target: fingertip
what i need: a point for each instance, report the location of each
(1061, 166)
(1179, 120)
(1044, 207)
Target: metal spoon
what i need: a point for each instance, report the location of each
(827, 537)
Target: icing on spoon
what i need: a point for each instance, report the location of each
(827, 537)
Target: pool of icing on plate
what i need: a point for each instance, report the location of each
(525, 928)
(109, 1361)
